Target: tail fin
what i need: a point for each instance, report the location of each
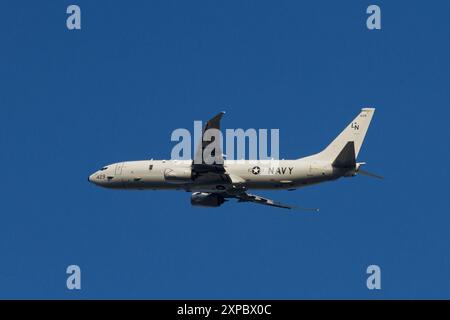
(346, 158)
(354, 132)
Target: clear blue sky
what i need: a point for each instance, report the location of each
(72, 101)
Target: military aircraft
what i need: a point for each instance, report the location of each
(212, 184)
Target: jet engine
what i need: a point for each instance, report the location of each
(204, 199)
(178, 175)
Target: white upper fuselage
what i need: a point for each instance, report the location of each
(175, 174)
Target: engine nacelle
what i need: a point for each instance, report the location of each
(205, 199)
(179, 175)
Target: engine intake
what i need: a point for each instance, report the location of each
(204, 199)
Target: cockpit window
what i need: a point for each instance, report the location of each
(104, 168)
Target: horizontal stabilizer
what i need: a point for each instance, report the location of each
(369, 174)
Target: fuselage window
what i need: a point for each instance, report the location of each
(150, 167)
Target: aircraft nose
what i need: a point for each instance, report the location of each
(91, 178)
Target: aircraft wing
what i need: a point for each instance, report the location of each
(243, 196)
(247, 197)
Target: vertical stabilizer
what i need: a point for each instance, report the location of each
(354, 132)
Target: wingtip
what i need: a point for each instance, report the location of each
(305, 209)
(218, 116)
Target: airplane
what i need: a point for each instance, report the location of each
(213, 184)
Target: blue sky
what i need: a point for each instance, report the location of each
(72, 101)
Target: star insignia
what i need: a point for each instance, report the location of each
(256, 170)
